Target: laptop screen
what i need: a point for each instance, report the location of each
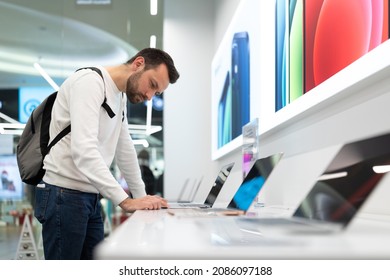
(218, 184)
(253, 182)
(348, 181)
(183, 189)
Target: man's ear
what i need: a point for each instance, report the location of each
(138, 62)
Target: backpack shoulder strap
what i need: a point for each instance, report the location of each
(59, 136)
(67, 129)
(106, 107)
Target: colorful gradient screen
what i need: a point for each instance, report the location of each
(339, 32)
(315, 39)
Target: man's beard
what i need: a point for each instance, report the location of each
(132, 92)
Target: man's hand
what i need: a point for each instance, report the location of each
(148, 202)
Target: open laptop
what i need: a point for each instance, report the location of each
(213, 194)
(183, 189)
(334, 200)
(245, 194)
(187, 198)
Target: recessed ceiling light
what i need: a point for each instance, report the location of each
(153, 7)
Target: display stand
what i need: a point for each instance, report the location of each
(40, 246)
(107, 226)
(250, 153)
(2, 223)
(250, 133)
(27, 249)
(40, 242)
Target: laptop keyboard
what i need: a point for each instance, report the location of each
(193, 205)
(228, 232)
(191, 212)
(295, 224)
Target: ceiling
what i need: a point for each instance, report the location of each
(62, 35)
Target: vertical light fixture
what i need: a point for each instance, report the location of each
(152, 44)
(149, 103)
(153, 41)
(149, 116)
(153, 7)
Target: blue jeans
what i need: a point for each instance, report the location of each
(71, 221)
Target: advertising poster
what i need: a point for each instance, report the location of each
(235, 87)
(315, 39)
(10, 185)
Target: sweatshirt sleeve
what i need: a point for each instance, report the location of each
(84, 108)
(127, 161)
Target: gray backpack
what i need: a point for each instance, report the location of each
(34, 144)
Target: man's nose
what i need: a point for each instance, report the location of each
(150, 95)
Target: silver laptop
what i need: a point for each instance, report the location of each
(187, 194)
(183, 190)
(333, 201)
(245, 194)
(213, 194)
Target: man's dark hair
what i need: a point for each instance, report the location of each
(155, 57)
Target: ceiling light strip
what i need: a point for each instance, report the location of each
(142, 142)
(7, 118)
(46, 76)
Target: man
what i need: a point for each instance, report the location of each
(77, 167)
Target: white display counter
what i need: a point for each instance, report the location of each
(158, 235)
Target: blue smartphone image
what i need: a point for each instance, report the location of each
(240, 71)
(225, 113)
(281, 48)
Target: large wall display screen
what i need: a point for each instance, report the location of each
(29, 99)
(233, 82)
(288, 51)
(10, 184)
(9, 102)
(315, 39)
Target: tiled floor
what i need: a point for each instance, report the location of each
(9, 241)
(10, 236)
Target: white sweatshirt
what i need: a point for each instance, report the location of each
(81, 160)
